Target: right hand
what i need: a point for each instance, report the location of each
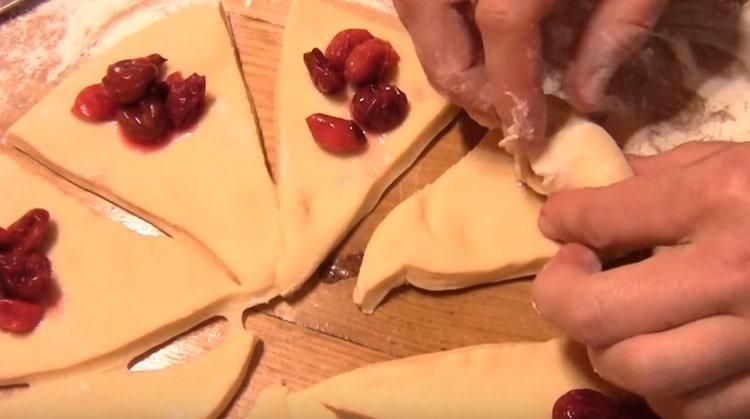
(486, 55)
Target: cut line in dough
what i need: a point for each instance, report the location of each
(208, 187)
(118, 289)
(200, 388)
(322, 196)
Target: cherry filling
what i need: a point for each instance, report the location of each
(336, 135)
(356, 56)
(380, 107)
(371, 61)
(129, 80)
(342, 45)
(95, 104)
(185, 99)
(146, 108)
(591, 404)
(326, 78)
(25, 272)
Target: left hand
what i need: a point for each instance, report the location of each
(674, 328)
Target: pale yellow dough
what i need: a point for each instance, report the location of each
(578, 154)
(118, 289)
(199, 389)
(210, 184)
(477, 224)
(514, 380)
(322, 195)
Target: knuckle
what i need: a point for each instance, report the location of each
(733, 255)
(509, 15)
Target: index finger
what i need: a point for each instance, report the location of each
(448, 49)
(513, 60)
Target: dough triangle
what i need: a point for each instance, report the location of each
(323, 196)
(477, 224)
(118, 289)
(211, 185)
(511, 380)
(200, 388)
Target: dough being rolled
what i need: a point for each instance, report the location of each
(578, 154)
(511, 380)
(477, 224)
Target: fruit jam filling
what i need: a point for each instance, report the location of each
(146, 109)
(356, 56)
(26, 285)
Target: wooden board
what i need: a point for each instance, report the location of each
(319, 332)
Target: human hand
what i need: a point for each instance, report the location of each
(674, 328)
(486, 55)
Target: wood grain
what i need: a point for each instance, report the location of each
(319, 332)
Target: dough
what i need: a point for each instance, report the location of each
(119, 289)
(201, 388)
(477, 224)
(210, 185)
(519, 380)
(322, 196)
(578, 154)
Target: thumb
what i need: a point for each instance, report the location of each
(569, 265)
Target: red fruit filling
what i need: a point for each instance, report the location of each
(129, 80)
(326, 78)
(371, 61)
(28, 233)
(380, 107)
(336, 135)
(25, 278)
(584, 404)
(356, 56)
(95, 104)
(145, 121)
(146, 108)
(18, 316)
(342, 45)
(185, 99)
(25, 272)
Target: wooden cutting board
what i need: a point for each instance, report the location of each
(319, 332)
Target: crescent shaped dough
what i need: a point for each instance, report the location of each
(322, 196)
(510, 380)
(477, 224)
(199, 389)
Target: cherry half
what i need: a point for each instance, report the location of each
(379, 107)
(129, 80)
(336, 135)
(95, 104)
(584, 404)
(18, 316)
(185, 99)
(342, 45)
(326, 78)
(144, 122)
(371, 61)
